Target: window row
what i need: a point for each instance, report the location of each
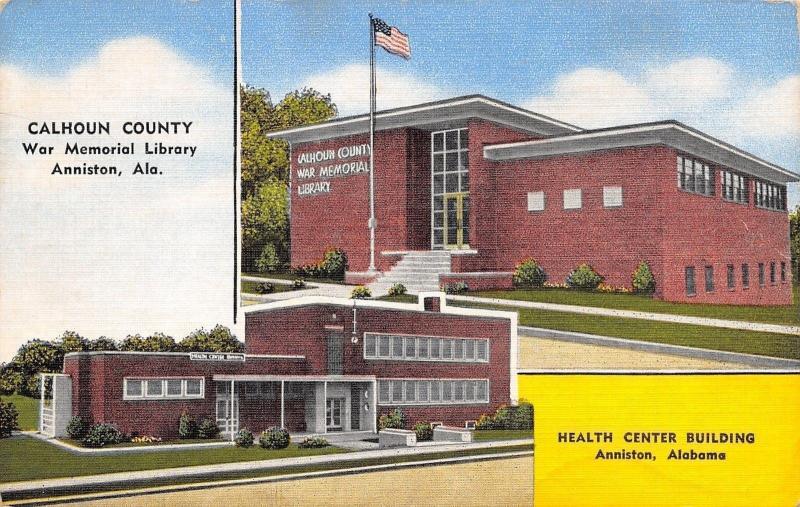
(426, 348)
(734, 187)
(163, 388)
(695, 176)
(770, 196)
(433, 392)
(573, 199)
(731, 276)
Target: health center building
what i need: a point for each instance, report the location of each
(466, 188)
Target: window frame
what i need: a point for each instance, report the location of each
(144, 396)
(607, 196)
(707, 170)
(573, 192)
(533, 201)
(708, 276)
(691, 288)
(745, 275)
(431, 341)
(731, 277)
(434, 389)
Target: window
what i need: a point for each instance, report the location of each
(731, 277)
(734, 187)
(572, 198)
(535, 201)
(612, 197)
(709, 278)
(761, 276)
(162, 388)
(770, 196)
(433, 391)
(783, 272)
(426, 348)
(695, 176)
(773, 277)
(690, 285)
(449, 173)
(745, 276)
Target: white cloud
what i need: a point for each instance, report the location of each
(688, 84)
(115, 255)
(772, 111)
(349, 88)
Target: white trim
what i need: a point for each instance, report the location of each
(493, 152)
(184, 354)
(439, 359)
(163, 396)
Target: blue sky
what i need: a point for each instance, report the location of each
(726, 68)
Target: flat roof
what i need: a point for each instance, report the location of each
(670, 133)
(437, 115)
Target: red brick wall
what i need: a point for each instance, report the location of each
(418, 208)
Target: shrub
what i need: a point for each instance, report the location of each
(298, 283)
(424, 431)
(207, 428)
(244, 438)
(642, 280)
(145, 439)
(529, 273)
(268, 261)
(508, 417)
(397, 289)
(334, 263)
(360, 292)
(485, 422)
(265, 288)
(274, 438)
(8, 419)
(102, 434)
(394, 419)
(456, 287)
(584, 277)
(313, 443)
(187, 426)
(77, 428)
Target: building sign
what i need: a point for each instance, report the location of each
(323, 165)
(216, 356)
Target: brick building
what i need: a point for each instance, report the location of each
(312, 365)
(468, 187)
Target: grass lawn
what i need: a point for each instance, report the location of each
(25, 458)
(290, 276)
(481, 435)
(252, 287)
(769, 314)
(28, 409)
(180, 441)
(405, 298)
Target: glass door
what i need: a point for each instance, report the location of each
(333, 413)
(226, 420)
(456, 220)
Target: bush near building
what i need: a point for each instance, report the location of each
(642, 279)
(424, 431)
(456, 288)
(103, 434)
(244, 438)
(207, 429)
(584, 277)
(8, 419)
(394, 419)
(508, 417)
(274, 438)
(265, 288)
(529, 274)
(313, 443)
(397, 289)
(77, 428)
(187, 426)
(360, 292)
(333, 265)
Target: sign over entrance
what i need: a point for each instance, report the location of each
(216, 356)
(328, 164)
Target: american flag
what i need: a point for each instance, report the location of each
(391, 39)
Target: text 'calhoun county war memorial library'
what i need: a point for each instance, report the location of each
(466, 188)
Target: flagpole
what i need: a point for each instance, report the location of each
(372, 222)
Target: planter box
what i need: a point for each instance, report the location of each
(396, 438)
(451, 434)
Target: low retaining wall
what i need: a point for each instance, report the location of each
(396, 438)
(478, 280)
(450, 434)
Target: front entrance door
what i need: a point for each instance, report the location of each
(227, 420)
(333, 413)
(456, 220)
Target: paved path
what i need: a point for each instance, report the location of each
(632, 314)
(314, 289)
(496, 482)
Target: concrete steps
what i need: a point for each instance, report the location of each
(417, 271)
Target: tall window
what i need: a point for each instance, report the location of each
(695, 176)
(761, 276)
(770, 196)
(449, 174)
(734, 187)
(731, 277)
(691, 289)
(783, 271)
(745, 276)
(772, 274)
(709, 278)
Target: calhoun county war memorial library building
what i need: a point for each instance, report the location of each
(471, 186)
(313, 365)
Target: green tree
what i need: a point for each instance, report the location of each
(157, 342)
(219, 339)
(70, 341)
(265, 165)
(103, 343)
(794, 239)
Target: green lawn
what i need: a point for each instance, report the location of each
(769, 314)
(179, 441)
(717, 338)
(28, 409)
(481, 435)
(290, 276)
(25, 458)
(252, 287)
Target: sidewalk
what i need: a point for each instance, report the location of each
(633, 314)
(314, 289)
(143, 476)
